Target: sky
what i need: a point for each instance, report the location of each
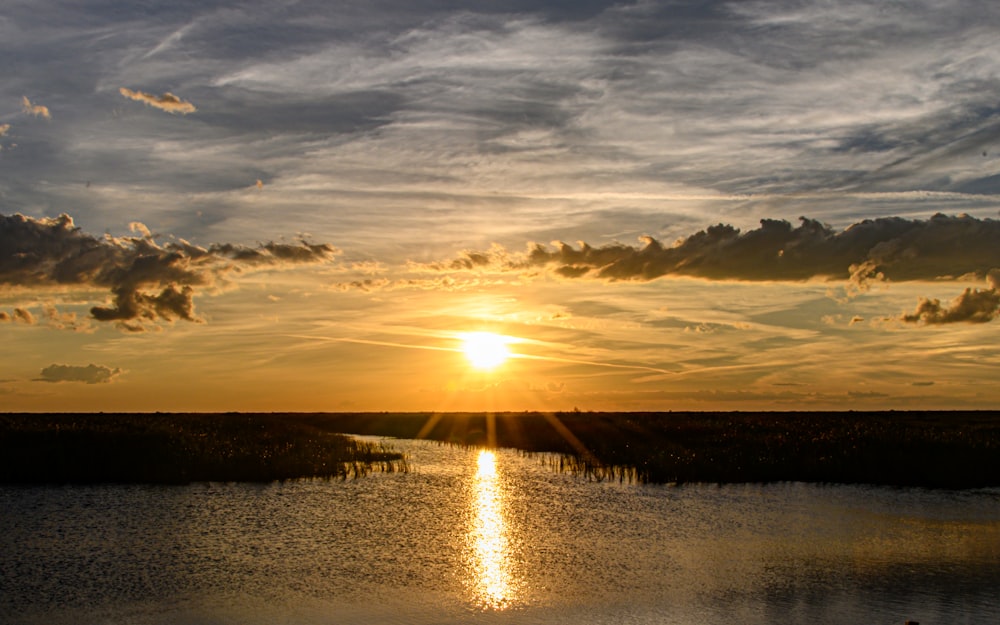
(657, 205)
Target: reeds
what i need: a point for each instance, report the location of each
(959, 449)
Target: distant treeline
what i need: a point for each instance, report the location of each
(959, 449)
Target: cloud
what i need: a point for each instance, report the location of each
(894, 249)
(137, 226)
(35, 109)
(890, 249)
(91, 374)
(167, 102)
(59, 320)
(4, 129)
(973, 305)
(21, 315)
(147, 281)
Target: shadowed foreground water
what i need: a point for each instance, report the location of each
(471, 537)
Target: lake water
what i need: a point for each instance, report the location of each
(474, 537)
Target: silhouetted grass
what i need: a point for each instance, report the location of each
(178, 448)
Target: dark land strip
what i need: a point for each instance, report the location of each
(940, 449)
(162, 448)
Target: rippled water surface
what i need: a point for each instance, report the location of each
(476, 537)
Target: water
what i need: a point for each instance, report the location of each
(472, 538)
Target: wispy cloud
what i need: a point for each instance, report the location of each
(34, 109)
(90, 374)
(147, 281)
(167, 102)
(62, 320)
(781, 108)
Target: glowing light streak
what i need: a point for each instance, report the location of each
(492, 579)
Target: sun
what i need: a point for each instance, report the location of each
(485, 350)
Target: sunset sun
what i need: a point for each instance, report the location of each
(485, 350)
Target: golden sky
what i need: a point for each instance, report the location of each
(655, 205)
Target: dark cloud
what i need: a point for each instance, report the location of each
(91, 374)
(148, 281)
(866, 395)
(273, 253)
(885, 249)
(894, 249)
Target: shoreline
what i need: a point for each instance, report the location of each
(935, 449)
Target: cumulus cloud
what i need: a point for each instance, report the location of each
(21, 315)
(888, 249)
(139, 227)
(91, 374)
(973, 305)
(147, 281)
(894, 249)
(34, 109)
(167, 102)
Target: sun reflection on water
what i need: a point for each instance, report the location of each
(492, 581)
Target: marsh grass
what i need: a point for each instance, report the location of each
(179, 448)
